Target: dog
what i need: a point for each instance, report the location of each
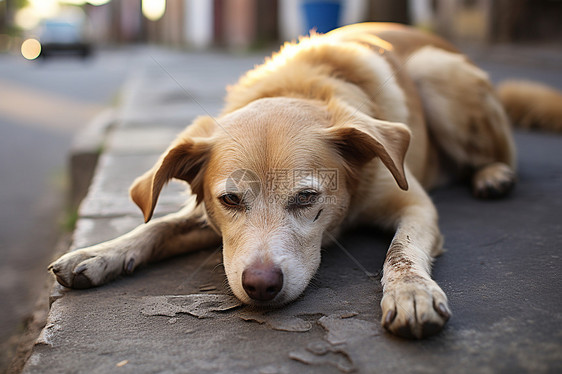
(347, 128)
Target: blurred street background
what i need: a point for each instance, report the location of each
(63, 62)
(41, 109)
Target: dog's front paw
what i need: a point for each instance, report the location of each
(414, 309)
(90, 267)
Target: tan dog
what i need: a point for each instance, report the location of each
(340, 129)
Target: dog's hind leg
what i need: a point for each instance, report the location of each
(163, 237)
(466, 120)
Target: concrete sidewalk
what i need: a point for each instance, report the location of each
(501, 271)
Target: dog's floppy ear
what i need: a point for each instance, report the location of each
(365, 138)
(185, 159)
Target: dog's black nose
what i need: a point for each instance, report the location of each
(262, 282)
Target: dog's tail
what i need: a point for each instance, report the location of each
(532, 105)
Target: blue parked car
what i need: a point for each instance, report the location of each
(63, 37)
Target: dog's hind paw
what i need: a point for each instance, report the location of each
(90, 267)
(415, 310)
(493, 181)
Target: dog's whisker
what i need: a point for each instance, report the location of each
(315, 283)
(226, 286)
(369, 274)
(199, 268)
(217, 266)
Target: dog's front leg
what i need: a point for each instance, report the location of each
(163, 237)
(413, 305)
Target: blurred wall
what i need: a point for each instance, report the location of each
(199, 29)
(491, 21)
(526, 20)
(253, 23)
(291, 18)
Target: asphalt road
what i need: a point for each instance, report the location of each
(42, 106)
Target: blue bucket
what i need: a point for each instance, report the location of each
(321, 15)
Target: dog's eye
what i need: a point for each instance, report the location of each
(304, 199)
(230, 200)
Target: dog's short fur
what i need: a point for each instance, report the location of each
(340, 129)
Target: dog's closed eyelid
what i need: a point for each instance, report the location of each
(231, 201)
(303, 199)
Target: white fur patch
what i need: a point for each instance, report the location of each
(430, 61)
(390, 96)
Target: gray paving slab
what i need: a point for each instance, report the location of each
(177, 115)
(501, 273)
(108, 195)
(138, 141)
(174, 88)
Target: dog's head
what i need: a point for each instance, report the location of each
(274, 178)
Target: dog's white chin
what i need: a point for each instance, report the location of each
(288, 294)
(279, 301)
(297, 274)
